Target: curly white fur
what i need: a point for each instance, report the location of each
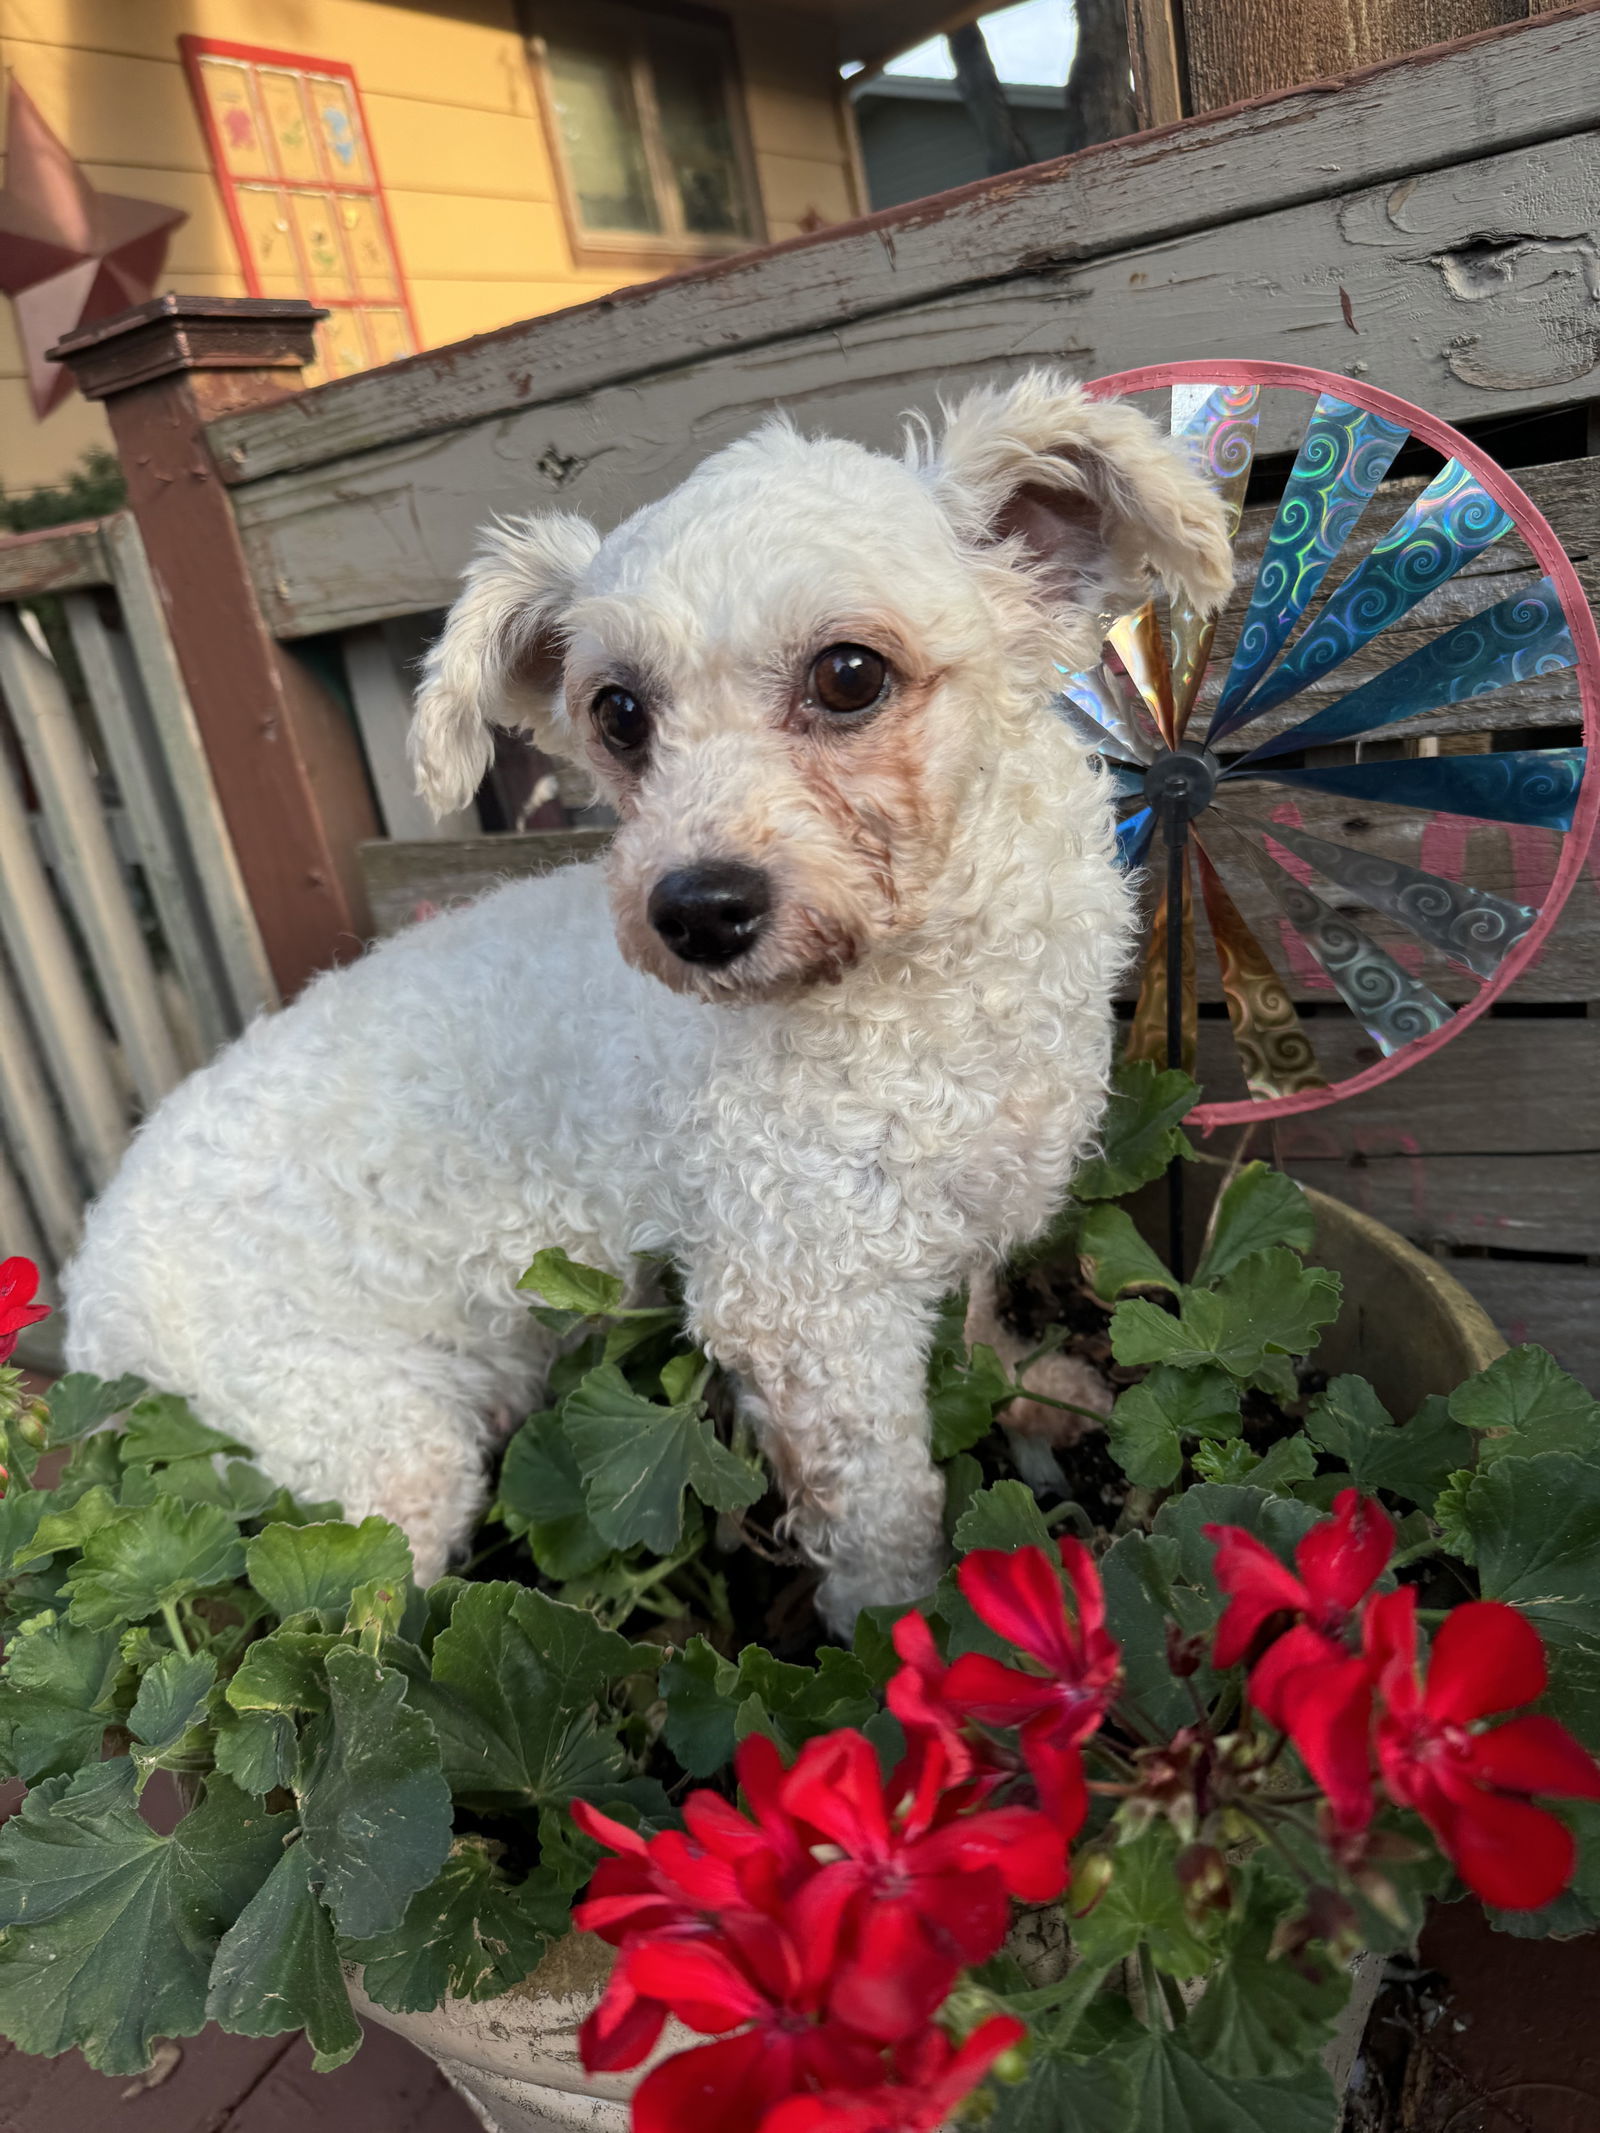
(319, 1236)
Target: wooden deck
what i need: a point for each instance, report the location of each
(221, 2084)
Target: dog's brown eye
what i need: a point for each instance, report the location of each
(848, 677)
(623, 721)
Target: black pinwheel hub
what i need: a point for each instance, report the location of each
(1182, 782)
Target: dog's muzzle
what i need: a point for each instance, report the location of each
(713, 914)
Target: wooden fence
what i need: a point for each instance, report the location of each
(1432, 226)
(128, 950)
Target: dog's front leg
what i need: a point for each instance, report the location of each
(835, 1377)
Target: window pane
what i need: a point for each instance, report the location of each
(317, 224)
(286, 116)
(599, 123)
(698, 139)
(244, 150)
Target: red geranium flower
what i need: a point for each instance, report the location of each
(932, 2078)
(1019, 1596)
(926, 1877)
(1339, 1560)
(19, 1283)
(1473, 1787)
(769, 1984)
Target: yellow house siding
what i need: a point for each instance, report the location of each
(457, 136)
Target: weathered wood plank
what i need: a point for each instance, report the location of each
(406, 880)
(1539, 1300)
(389, 532)
(1508, 90)
(56, 559)
(1239, 48)
(1522, 1203)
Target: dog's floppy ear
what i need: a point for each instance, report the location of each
(1100, 500)
(497, 661)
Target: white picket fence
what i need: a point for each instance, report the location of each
(128, 950)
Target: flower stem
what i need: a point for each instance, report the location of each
(169, 1615)
(1067, 1407)
(1155, 2006)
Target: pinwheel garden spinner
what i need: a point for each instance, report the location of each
(1405, 885)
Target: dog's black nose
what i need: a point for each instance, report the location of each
(711, 914)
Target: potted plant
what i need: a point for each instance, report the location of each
(1090, 1838)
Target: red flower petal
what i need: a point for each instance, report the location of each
(1258, 1586)
(997, 1695)
(1327, 1711)
(696, 1980)
(1025, 1847)
(895, 1978)
(1019, 1596)
(1058, 1773)
(1298, 1647)
(616, 1835)
(1344, 1556)
(716, 2088)
(1389, 1642)
(1486, 1658)
(1514, 1856)
(837, 1787)
(1087, 1591)
(1536, 1755)
(621, 2031)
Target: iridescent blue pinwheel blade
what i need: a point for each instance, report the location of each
(1345, 454)
(1393, 1007)
(1507, 643)
(1471, 926)
(1090, 732)
(1538, 786)
(1454, 519)
(1095, 693)
(1133, 838)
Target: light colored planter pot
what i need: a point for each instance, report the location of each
(1405, 1324)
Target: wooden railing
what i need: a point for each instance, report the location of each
(128, 949)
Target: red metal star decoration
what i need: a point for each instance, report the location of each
(68, 255)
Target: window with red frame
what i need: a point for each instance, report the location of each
(292, 154)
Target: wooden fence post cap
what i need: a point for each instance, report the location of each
(175, 333)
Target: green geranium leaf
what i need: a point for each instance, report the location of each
(1139, 1134)
(799, 1702)
(1525, 1404)
(1004, 1516)
(1260, 1208)
(1116, 1257)
(1145, 1903)
(241, 1490)
(1137, 1574)
(121, 1924)
(1279, 1471)
(314, 1569)
(56, 1694)
(565, 1285)
(278, 1967)
(64, 1531)
(153, 1556)
(963, 1389)
(164, 1428)
(1534, 1528)
(1260, 2019)
(472, 1932)
(1412, 1459)
(541, 1499)
(283, 1672)
(21, 1513)
(374, 1804)
(80, 1402)
(1151, 1420)
(257, 1749)
(701, 1692)
(1176, 2092)
(516, 1681)
(1268, 1306)
(169, 1712)
(637, 1458)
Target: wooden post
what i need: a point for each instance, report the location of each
(1202, 55)
(284, 757)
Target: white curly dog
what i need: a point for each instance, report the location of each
(830, 1024)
